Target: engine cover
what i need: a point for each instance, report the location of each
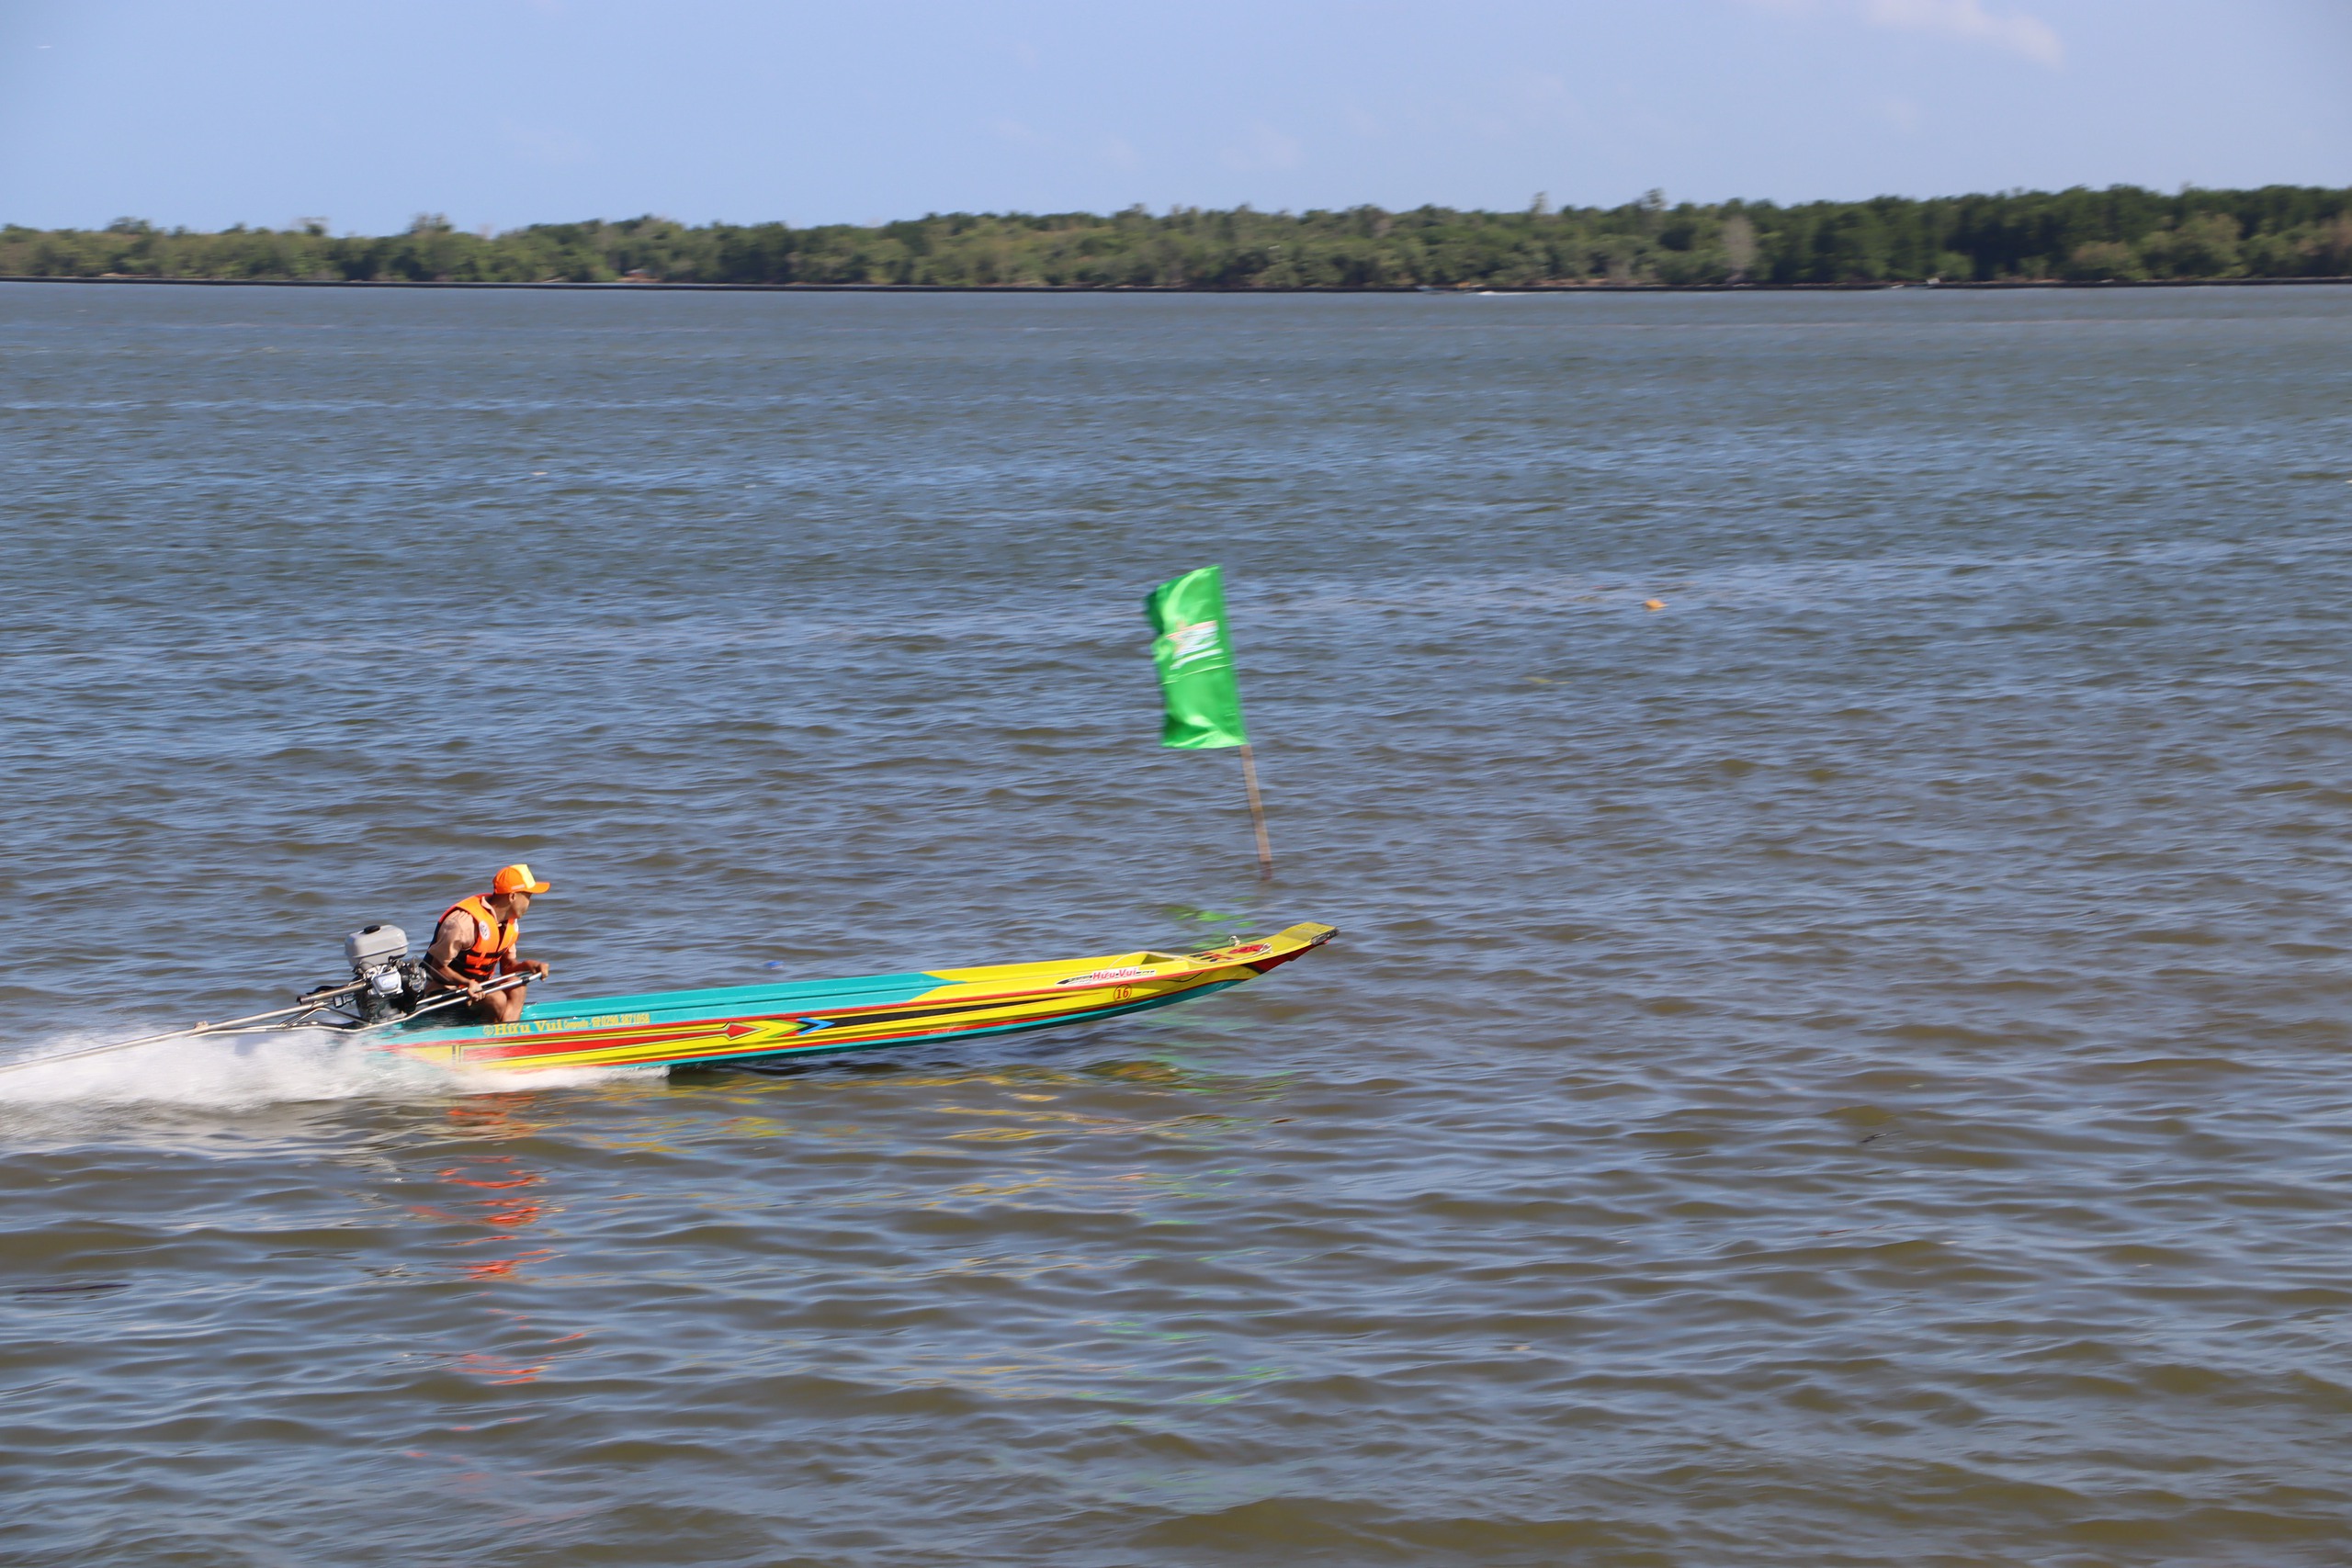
(371, 948)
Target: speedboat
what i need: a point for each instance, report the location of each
(388, 1005)
(768, 1025)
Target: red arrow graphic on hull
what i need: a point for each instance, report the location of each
(767, 1029)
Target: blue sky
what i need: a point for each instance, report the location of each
(501, 112)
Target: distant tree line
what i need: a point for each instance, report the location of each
(2121, 232)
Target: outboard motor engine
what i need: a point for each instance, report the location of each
(390, 984)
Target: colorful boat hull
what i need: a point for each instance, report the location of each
(770, 1025)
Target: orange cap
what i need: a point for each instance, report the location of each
(515, 878)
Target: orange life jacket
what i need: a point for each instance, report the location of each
(493, 939)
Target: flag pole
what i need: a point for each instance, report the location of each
(1257, 815)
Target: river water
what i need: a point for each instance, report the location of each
(1847, 1068)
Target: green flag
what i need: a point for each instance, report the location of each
(1195, 660)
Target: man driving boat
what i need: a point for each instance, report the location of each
(474, 944)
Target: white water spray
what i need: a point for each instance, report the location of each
(246, 1073)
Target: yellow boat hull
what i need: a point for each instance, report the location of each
(773, 1024)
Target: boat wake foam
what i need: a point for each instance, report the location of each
(239, 1074)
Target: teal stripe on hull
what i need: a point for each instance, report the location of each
(686, 1007)
(1096, 1016)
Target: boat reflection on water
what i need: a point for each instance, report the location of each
(499, 1196)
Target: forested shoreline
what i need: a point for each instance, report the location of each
(2120, 235)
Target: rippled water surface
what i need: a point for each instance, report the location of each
(1848, 1067)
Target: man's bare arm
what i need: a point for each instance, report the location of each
(455, 935)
